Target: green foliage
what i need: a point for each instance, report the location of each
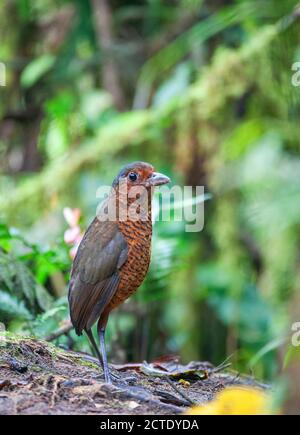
(48, 321)
(12, 308)
(36, 69)
(24, 272)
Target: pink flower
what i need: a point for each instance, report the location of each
(72, 235)
(72, 216)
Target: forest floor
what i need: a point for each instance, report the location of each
(39, 378)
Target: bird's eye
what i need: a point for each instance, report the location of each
(132, 176)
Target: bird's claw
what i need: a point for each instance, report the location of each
(115, 379)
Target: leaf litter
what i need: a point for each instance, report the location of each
(39, 378)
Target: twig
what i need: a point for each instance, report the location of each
(175, 388)
(220, 368)
(223, 365)
(59, 332)
(167, 397)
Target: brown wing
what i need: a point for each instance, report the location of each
(94, 275)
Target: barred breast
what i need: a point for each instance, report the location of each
(138, 237)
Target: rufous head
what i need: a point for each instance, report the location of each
(140, 174)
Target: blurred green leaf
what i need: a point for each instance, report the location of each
(36, 69)
(174, 85)
(245, 135)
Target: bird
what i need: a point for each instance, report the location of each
(113, 257)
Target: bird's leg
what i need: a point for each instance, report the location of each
(101, 333)
(90, 335)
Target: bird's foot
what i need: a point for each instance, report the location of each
(107, 376)
(116, 379)
(120, 381)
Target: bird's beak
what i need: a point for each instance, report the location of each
(158, 179)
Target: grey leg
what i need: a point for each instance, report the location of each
(101, 332)
(94, 345)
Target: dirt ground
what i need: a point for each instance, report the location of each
(39, 378)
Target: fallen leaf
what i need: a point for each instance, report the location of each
(189, 375)
(127, 366)
(89, 390)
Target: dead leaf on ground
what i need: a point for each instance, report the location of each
(185, 374)
(89, 390)
(168, 365)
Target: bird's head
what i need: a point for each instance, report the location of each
(131, 194)
(140, 174)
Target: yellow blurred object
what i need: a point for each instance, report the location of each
(184, 383)
(235, 401)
